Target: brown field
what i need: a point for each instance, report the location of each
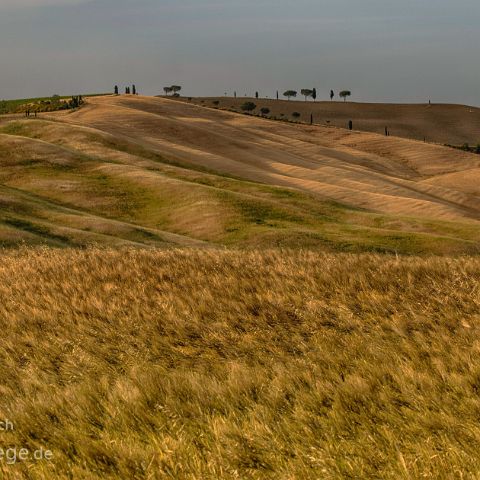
(195, 364)
(436, 123)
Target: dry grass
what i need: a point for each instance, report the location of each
(439, 123)
(214, 364)
(66, 185)
(133, 364)
(390, 175)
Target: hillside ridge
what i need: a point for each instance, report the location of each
(158, 172)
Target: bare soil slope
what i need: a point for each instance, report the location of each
(436, 123)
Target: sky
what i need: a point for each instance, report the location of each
(381, 50)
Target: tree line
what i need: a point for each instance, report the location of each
(175, 90)
(128, 90)
(312, 93)
(306, 92)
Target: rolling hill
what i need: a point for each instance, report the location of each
(150, 171)
(445, 124)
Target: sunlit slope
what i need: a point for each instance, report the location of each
(146, 171)
(58, 196)
(360, 169)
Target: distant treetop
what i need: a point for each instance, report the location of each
(290, 93)
(306, 92)
(172, 89)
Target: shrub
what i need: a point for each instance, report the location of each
(248, 107)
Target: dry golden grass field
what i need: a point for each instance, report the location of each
(203, 364)
(190, 293)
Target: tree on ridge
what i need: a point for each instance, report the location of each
(290, 93)
(306, 92)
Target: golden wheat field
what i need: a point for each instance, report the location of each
(216, 364)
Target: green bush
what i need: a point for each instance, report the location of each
(248, 107)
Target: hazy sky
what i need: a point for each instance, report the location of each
(382, 50)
